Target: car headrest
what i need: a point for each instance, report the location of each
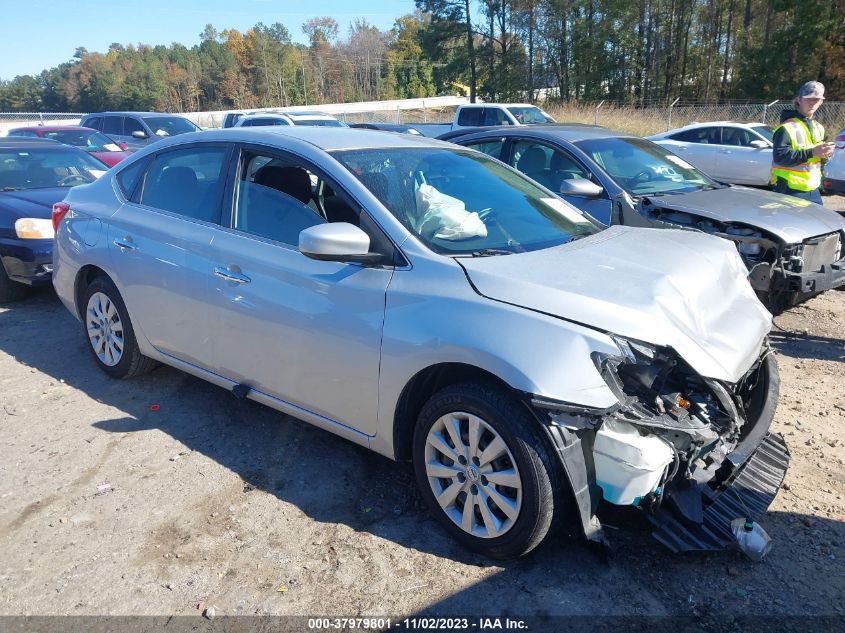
(532, 161)
(293, 181)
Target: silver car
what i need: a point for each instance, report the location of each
(729, 151)
(435, 305)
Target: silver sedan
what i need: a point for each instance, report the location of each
(738, 153)
(437, 306)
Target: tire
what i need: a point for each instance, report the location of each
(10, 290)
(111, 339)
(533, 502)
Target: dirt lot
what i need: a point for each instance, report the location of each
(110, 507)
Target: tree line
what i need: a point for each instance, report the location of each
(638, 52)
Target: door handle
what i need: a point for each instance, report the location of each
(228, 275)
(682, 147)
(726, 151)
(125, 244)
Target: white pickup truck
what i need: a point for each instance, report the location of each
(485, 115)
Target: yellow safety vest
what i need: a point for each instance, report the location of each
(808, 175)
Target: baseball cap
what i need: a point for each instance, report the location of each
(812, 89)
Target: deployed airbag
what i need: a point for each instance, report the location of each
(446, 217)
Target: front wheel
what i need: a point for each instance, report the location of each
(109, 332)
(485, 470)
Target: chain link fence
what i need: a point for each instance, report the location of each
(652, 119)
(641, 120)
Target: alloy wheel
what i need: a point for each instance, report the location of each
(473, 475)
(105, 329)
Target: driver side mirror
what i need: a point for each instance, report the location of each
(337, 242)
(580, 187)
(139, 134)
(758, 144)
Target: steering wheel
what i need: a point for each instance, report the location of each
(644, 176)
(72, 178)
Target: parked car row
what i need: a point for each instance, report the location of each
(506, 319)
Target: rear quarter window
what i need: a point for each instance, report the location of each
(129, 178)
(470, 116)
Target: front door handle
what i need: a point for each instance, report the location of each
(228, 275)
(125, 244)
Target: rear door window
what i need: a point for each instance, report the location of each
(187, 181)
(94, 122)
(491, 148)
(113, 125)
(495, 116)
(470, 116)
(704, 135)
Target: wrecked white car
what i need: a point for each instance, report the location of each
(437, 306)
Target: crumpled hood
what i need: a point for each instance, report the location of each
(791, 219)
(32, 203)
(674, 288)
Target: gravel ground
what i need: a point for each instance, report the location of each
(110, 505)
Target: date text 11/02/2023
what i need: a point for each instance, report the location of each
(416, 623)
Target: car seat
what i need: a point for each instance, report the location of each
(533, 164)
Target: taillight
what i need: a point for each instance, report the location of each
(60, 210)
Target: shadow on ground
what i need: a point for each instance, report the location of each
(334, 481)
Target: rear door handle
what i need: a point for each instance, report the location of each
(125, 244)
(228, 275)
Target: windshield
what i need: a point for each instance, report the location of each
(319, 122)
(169, 125)
(643, 168)
(765, 131)
(529, 114)
(88, 140)
(42, 168)
(459, 202)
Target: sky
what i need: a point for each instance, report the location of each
(41, 34)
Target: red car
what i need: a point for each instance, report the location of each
(98, 145)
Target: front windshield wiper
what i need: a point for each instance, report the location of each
(12, 189)
(489, 252)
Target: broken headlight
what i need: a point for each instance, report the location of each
(659, 393)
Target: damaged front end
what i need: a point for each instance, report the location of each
(694, 453)
(782, 274)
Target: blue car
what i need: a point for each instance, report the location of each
(34, 175)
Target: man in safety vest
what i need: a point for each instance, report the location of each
(799, 146)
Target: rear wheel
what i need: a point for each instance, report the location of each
(485, 471)
(109, 332)
(10, 290)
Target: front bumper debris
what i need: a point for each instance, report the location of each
(828, 277)
(748, 492)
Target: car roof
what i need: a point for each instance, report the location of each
(18, 141)
(325, 138)
(571, 133)
(313, 113)
(505, 105)
(698, 124)
(131, 113)
(52, 128)
(265, 115)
